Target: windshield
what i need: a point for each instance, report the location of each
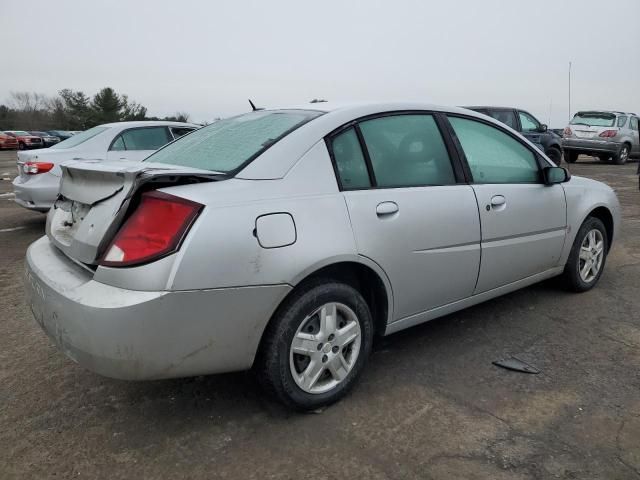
(594, 119)
(229, 144)
(79, 138)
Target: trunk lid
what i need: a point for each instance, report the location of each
(94, 198)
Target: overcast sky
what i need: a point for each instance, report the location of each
(207, 57)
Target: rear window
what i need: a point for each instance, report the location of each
(594, 119)
(79, 138)
(229, 144)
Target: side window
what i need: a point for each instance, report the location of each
(407, 151)
(350, 162)
(634, 123)
(493, 155)
(505, 116)
(118, 144)
(147, 138)
(622, 120)
(180, 131)
(529, 124)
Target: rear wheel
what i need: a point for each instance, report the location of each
(21, 146)
(622, 156)
(570, 156)
(588, 256)
(555, 155)
(316, 346)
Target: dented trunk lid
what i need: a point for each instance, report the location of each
(94, 198)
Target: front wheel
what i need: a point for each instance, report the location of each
(21, 146)
(316, 346)
(570, 157)
(622, 156)
(555, 155)
(588, 256)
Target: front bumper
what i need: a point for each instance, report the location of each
(143, 335)
(37, 193)
(591, 145)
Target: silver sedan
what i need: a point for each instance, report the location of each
(287, 239)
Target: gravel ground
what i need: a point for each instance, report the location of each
(430, 405)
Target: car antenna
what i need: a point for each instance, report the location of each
(253, 107)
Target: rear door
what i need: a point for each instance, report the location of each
(138, 143)
(523, 220)
(410, 211)
(633, 125)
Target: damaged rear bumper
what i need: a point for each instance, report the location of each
(143, 335)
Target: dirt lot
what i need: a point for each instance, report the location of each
(430, 405)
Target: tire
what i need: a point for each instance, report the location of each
(21, 146)
(570, 156)
(555, 155)
(572, 277)
(622, 156)
(300, 319)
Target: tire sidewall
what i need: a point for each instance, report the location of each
(573, 264)
(619, 159)
(289, 323)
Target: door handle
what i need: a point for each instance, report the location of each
(497, 201)
(386, 208)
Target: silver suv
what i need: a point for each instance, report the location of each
(602, 134)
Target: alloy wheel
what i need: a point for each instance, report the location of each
(591, 255)
(325, 348)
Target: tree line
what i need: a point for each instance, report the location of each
(72, 110)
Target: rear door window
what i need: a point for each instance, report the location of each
(529, 124)
(349, 159)
(407, 151)
(147, 138)
(634, 123)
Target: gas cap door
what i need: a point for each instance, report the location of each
(275, 230)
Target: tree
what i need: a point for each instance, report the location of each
(77, 110)
(132, 111)
(106, 106)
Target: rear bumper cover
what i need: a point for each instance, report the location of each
(142, 335)
(589, 145)
(38, 193)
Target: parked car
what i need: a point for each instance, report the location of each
(47, 138)
(61, 134)
(603, 134)
(8, 142)
(285, 239)
(529, 126)
(36, 188)
(25, 139)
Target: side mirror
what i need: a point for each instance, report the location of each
(543, 128)
(553, 175)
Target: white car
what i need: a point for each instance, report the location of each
(36, 186)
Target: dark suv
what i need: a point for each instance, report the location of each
(529, 126)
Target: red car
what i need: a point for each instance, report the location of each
(25, 139)
(7, 142)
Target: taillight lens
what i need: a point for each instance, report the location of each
(609, 133)
(155, 229)
(33, 168)
(567, 132)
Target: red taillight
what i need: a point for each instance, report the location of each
(609, 133)
(33, 168)
(155, 229)
(567, 132)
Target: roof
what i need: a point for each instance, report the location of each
(148, 123)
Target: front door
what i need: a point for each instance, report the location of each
(409, 212)
(523, 220)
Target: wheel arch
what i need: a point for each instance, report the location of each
(603, 214)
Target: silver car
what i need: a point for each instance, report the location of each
(39, 172)
(286, 240)
(606, 135)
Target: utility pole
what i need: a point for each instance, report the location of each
(569, 91)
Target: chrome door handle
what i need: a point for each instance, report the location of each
(498, 201)
(386, 208)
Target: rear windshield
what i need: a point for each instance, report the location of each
(594, 119)
(229, 144)
(79, 138)
(20, 132)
